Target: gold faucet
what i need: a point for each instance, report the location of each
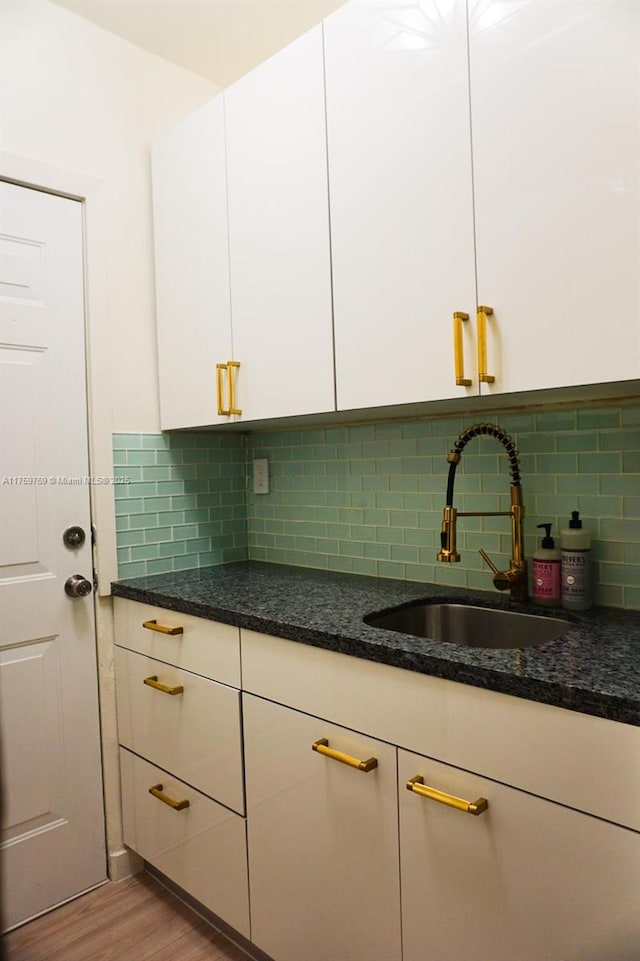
(515, 578)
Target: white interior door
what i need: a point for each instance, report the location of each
(52, 819)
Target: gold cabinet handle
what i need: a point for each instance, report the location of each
(322, 747)
(483, 376)
(458, 355)
(165, 688)
(157, 792)
(161, 628)
(417, 785)
(222, 411)
(231, 365)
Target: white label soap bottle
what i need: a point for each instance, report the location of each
(575, 544)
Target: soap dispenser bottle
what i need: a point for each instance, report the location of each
(575, 544)
(546, 571)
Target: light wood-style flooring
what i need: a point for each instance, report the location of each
(133, 920)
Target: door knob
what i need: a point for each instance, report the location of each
(77, 586)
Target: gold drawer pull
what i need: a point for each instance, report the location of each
(322, 747)
(417, 785)
(157, 686)
(157, 791)
(162, 628)
(458, 353)
(483, 376)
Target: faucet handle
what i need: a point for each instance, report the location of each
(486, 557)
(515, 577)
(501, 579)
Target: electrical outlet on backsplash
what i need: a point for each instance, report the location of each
(368, 498)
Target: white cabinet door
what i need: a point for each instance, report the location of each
(555, 96)
(323, 844)
(192, 267)
(401, 199)
(279, 234)
(200, 845)
(527, 879)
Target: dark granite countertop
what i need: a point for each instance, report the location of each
(594, 667)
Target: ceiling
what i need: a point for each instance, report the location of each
(219, 39)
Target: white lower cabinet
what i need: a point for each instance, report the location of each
(530, 879)
(337, 860)
(200, 845)
(180, 735)
(323, 844)
(526, 880)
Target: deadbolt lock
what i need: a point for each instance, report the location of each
(74, 536)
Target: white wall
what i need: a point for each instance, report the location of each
(79, 98)
(80, 108)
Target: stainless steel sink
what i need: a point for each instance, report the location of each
(471, 626)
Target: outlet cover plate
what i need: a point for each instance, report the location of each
(260, 475)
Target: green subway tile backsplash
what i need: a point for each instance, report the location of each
(185, 504)
(368, 498)
(388, 483)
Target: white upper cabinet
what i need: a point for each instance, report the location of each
(555, 105)
(402, 164)
(401, 200)
(548, 117)
(192, 267)
(279, 234)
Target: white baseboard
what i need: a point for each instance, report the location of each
(123, 864)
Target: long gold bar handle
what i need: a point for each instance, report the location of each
(222, 411)
(231, 364)
(165, 688)
(322, 747)
(417, 785)
(483, 376)
(157, 792)
(458, 355)
(162, 628)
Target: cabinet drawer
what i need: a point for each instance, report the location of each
(585, 762)
(204, 647)
(202, 848)
(195, 734)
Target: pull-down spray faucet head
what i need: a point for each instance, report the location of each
(515, 578)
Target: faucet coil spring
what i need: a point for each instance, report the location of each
(516, 577)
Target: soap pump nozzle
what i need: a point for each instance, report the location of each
(548, 542)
